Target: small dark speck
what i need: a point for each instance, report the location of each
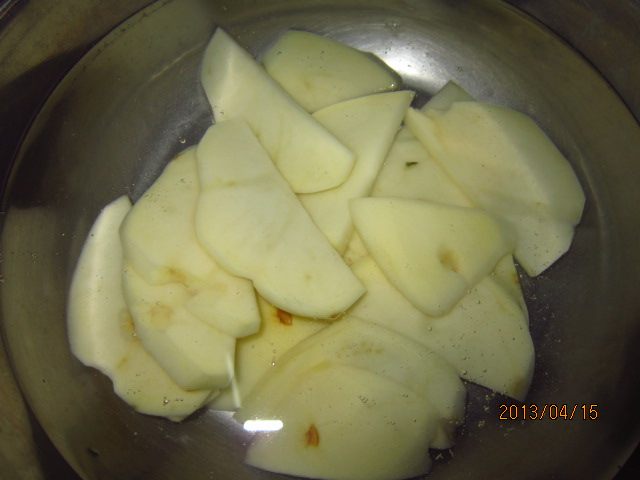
(410, 164)
(93, 452)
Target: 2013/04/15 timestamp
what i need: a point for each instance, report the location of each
(550, 411)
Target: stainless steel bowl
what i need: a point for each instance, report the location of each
(134, 100)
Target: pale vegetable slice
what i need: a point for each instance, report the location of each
(97, 287)
(142, 383)
(506, 164)
(158, 236)
(541, 238)
(101, 332)
(399, 178)
(340, 422)
(409, 170)
(506, 275)
(356, 343)
(485, 337)
(307, 155)
(355, 249)
(160, 243)
(367, 125)
(447, 96)
(432, 253)
(252, 223)
(317, 71)
(225, 302)
(259, 353)
(194, 354)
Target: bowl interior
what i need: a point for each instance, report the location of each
(134, 101)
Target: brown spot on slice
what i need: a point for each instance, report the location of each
(312, 437)
(285, 317)
(160, 315)
(127, 323)
(448, 259)
(177, 276)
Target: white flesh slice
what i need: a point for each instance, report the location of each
(317, 71)
(195, 354)
(141, 382)
(360, 344)
(506, 275)
(432, 253)
(409, 171)
(96, 292)
(307, 155)
(447, 96)
(399, 178)
(504, 162)
(355, 249)
(346, 423)
(160, 243)
(101, 332)
(158, 235)
(367, 125)
(259, 353)
(485, 337)
(252, 223)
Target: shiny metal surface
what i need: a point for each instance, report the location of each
(134, 101)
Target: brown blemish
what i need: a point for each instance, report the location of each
(515, 278)
(122, 363)
(448, 260)
(312, 436)
(307, 84)
(160, 315)
(519, 387)
(177, 276)
(285, 317)
(127, 323)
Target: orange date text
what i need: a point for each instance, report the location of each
(549, 411)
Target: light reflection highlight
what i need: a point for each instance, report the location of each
(263, 425)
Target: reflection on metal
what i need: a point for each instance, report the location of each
(263, 425)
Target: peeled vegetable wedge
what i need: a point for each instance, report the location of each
(307, 155)
(252, 223)
(447, 96)
(356, 343)
(158, 236)
(318, 71)
(194, 354)
(485, 337)
(432, 253)
(410, 171)
(261, 352)
(506, 165)
(367, 125)
(101, 331)
(159, 241)
(341, 422)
